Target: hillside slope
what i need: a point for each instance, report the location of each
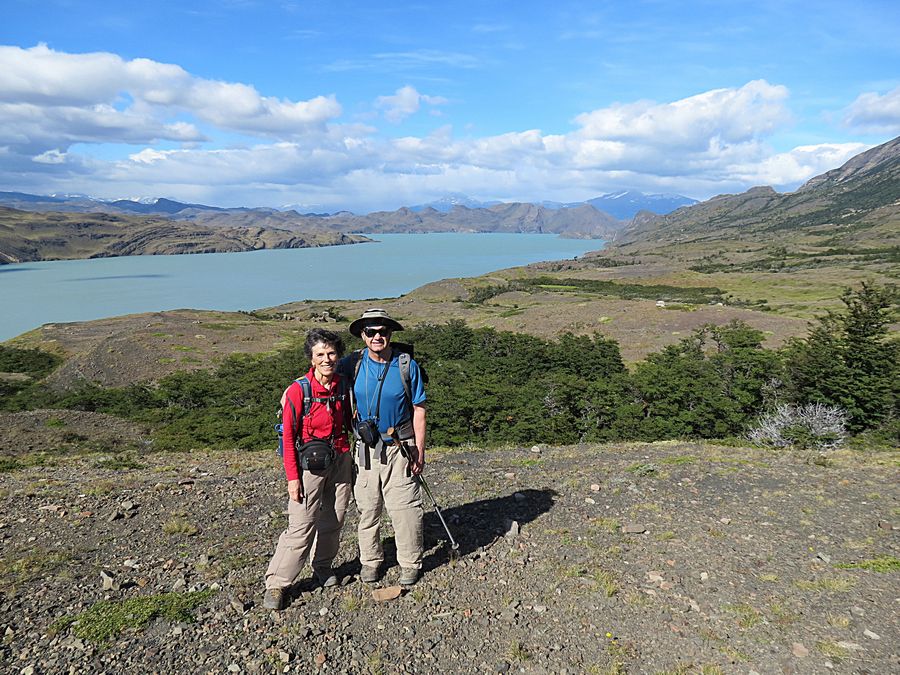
(627, 558)
(849, 209)
(29, 236)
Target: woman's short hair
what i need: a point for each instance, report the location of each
(317, 335)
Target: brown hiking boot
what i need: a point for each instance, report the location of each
(369, 575)
(326, 577)
(408, 576)
(274, 599)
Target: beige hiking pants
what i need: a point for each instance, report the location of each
(388, 484)
(313, 524)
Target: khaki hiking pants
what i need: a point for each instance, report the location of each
(388, 484)
(313, 524)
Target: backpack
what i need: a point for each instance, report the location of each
(308, 400)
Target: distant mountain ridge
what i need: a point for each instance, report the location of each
(583, 220)
(623, 205)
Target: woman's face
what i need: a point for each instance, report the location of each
(324, 359)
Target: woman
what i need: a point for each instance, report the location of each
(318, 499)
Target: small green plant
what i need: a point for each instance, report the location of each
(518, 652)
(643, 469)
(36, 563)
(832, 650)
(680, 460)
(351, 602)
(8, 464)
(610, 525)
(782, 615)
(607, 582)
(54, 422)
(375, 662)
(179, 525)
(882, 564)
(838, 620)
(105, 620)
(826, 584)
(747, 616)
(527, 462)
(118, 462)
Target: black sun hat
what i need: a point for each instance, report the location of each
(374, 317)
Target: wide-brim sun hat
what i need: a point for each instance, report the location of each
(374, 317)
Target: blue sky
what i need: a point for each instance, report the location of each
(331, 104)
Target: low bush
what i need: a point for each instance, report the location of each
(814, 426)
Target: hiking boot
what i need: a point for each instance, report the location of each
(408, 576)
(369, 575)
(326, 577)
(273, 599)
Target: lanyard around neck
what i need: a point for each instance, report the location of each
(381, 380)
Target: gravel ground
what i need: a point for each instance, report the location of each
(626, 558)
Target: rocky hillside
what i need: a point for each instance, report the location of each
(630, 558)
(29, 236)
(581, 221)
(856, 206)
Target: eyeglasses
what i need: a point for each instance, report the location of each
(372, 331)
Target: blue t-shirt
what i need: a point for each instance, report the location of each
(393, 409)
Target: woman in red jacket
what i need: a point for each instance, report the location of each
(318, 498)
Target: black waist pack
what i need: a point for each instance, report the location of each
(367, 432)
(315, 455)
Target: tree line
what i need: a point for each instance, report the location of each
(489, 387)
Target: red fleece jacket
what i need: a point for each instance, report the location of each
(319, 423)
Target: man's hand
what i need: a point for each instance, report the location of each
(416, 460)
(294, 490)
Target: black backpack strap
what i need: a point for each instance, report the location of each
(406, 378)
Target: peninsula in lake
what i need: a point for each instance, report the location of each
(27, 236)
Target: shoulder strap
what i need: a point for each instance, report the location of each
(405, 377)
(357, 361)
(306, 388)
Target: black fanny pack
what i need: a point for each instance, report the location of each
(367, 432)
(315, 455)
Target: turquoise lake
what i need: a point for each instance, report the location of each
(32, 294)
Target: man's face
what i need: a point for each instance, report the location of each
(376, 337)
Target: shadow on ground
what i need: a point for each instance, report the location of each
(473, 525)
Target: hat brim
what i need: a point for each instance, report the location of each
(357, 326)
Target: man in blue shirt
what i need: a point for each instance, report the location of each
(386, 472)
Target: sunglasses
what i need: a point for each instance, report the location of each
(372, 331)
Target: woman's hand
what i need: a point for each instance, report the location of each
(294, 490)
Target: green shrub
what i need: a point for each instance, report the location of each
(105, 620)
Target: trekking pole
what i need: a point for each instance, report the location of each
(421, 480)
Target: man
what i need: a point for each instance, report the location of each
(387, 472)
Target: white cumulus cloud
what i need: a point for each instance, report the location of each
(51, 99)
(875, 113)
(52, 104)
(404, 102)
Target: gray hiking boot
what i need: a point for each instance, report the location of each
(408, 576)
(326, 577)
(369, 575)
(274, 599)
